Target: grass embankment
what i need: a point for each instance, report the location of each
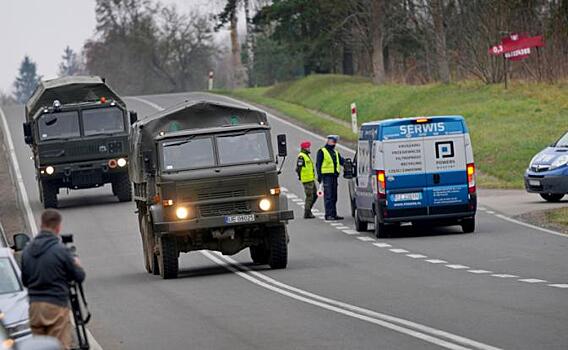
(508, 127)
(558, 216)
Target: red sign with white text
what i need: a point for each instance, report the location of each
(516, 47)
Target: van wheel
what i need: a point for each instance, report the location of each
(552, 197)
(49, 195)
(122, 188)
(259, 254)
(381, 229)
(468, 225)
(360, 225)
(353, 208)
(278, 247)
(168, 258)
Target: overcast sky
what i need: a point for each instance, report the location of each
(43, 28)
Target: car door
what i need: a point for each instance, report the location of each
(363, 183)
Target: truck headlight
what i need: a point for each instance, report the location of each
(560, 161)
(182, 213)
(49, 170)
(265, 204)
(121, 162)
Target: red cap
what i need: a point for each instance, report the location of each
(305, 144)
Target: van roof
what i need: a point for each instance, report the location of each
(402, 121)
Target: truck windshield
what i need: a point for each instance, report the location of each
(188, 154)
(9, 282)
(563, 142)
(102, 121)
(250, 147)
(59, 125)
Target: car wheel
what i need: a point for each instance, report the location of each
(552, 197)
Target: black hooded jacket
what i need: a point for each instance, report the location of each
(47, 268)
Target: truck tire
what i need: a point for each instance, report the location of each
(382, 230)
(278, 248)
(360, 225)
(148, 245)
(122, 188)
(259, 254)
(49, 195)
(552, 197)
(468, 225)
(168, 258)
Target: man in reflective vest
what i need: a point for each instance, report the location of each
(328, 165)
(307, 175)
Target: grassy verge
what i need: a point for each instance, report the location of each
(558, 216)
(507, 126)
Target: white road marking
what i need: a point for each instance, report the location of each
(478, 271)
(296, 199)
(559, 285)
(350, 232)
(291, 196)
(32, 225)
(301, 203)
(342, 227)
(416, 256)
(413, 329)
(335, 224)
(504, 275)
(283, 189)
(436, 261)
(531, 280)
(149, 103)
(314, 210)
(398, 250)
(506, 218)
(382, 245)
(481, 208)
(457, 267)
(366, 239)
(490, 212)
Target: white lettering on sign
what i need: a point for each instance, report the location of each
(403, 157)
(422, 128)
(517, 53)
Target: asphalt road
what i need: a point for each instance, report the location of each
(503, 287)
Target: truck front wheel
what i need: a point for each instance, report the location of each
(168, 258)
(278, 247)
(122, 188)
(49, 194)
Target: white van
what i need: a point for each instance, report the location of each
(413, 170)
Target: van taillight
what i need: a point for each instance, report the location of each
(471, 177)
(381, 184)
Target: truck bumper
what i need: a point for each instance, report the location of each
(219, 222)
(82, 175)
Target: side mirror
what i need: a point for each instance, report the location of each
(28, 135)
(133, 117)
(20, 241)
(348, 169)
(282, 145)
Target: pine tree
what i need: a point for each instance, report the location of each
(71, 65)
(26, 81)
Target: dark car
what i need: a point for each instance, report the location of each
(547, 173)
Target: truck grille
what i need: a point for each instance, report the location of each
(207, 210)
(208, 195)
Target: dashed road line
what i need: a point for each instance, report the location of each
(366, 239)
(564, 285)
(382, 245)
(457, 266)
(350, 232)
(398, 250)
(503, 275)
(436, 261)
(479, 272)
(416, 256)
(531, 280)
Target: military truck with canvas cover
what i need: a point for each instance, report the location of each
(77, 128)
(205, 177)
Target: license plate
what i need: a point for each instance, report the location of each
(534, 183)
(237, 219)
(403, 197)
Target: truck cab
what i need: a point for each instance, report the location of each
(206, 177)
(413, 170)
(77, 128)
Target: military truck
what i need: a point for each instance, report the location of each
(205, 177)
(77, 128)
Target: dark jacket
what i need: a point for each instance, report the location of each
(47, 268)
(319, 160)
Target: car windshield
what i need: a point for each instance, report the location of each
(9, 281)
(191, 153)
(59, 125)
(102, 121)
(250, 147)
(563, 142)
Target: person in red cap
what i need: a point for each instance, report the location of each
(307, 175)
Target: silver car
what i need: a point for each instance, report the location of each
(13, 297)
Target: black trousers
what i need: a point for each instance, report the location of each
(330, 195)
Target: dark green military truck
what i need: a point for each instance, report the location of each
(206, 177)
(77, 128)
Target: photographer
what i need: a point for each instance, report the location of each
(47, 269)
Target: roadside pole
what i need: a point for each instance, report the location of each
(211, 75)
(354, 118)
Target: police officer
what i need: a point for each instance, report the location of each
(307, 175)
(328, 164)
